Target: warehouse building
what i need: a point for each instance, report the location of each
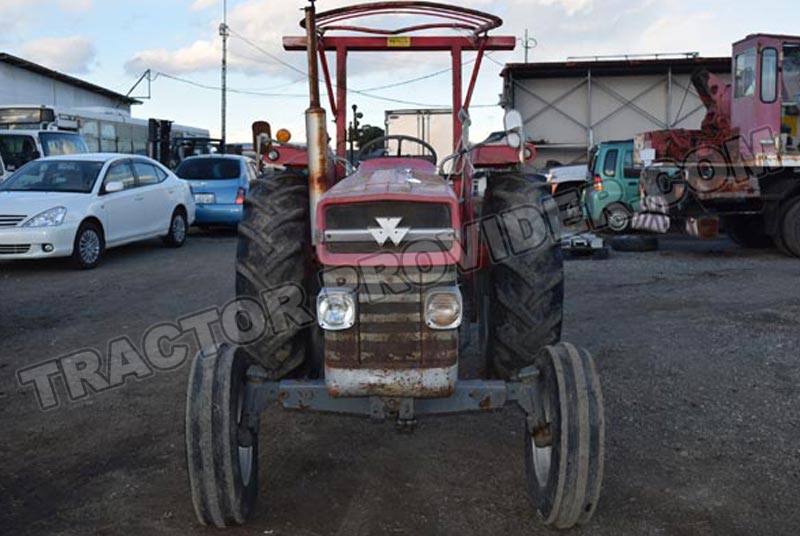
(570, 106)
(25, 82)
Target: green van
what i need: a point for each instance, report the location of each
(611, 195)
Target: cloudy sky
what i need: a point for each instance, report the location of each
(112, 42)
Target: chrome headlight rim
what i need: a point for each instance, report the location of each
(346, 296)
(452, 292)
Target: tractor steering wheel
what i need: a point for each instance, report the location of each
(363, 153)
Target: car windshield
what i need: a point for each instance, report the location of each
(54, 176)
(17, 150)
(209, 169)
(61, 143)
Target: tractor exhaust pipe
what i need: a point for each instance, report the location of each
(316, 121)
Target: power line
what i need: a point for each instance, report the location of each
(362, 92)
(267, 53)
(232, 90)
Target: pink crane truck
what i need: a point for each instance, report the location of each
(742, 167)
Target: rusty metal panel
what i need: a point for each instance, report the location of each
(390, 342)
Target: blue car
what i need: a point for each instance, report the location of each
(219, 184)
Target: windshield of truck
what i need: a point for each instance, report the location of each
(54, 176)
(60, 143)
(209, 169)
(791, 74)
(17, 150)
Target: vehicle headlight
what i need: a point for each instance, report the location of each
(48, 218)
(336, 309)
(443, 308)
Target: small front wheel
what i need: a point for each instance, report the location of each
(564, 456)
(221, 449)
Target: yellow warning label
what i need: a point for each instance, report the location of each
(398, 41)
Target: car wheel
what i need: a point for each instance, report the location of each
(177, 230)
(89, 246)
(618, 218)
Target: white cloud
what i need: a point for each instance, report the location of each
(18, 14)
(75, 5)
(69, 54)
(570, 6)
(200, 5)
(698, 32)
(263, 22)
(199, 56)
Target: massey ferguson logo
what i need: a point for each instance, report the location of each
(388, 230)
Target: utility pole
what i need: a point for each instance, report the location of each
(528, 43)
(223, 32)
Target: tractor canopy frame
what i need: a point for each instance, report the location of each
(474, 24)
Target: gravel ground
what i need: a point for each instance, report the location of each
(697, 345)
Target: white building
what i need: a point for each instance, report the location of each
(570, 106)
(24, 82)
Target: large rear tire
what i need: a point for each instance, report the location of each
(221, 459)
(564, 460)
(526, 287)
(274, 249)
(790, 227)
(748, 231)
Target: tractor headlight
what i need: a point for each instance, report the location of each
(49, 218)
(336, 309)
(443, 308)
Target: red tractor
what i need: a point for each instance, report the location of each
(360, 291)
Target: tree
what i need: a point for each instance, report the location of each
(367, 133)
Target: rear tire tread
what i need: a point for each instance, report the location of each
(273, 250)
(526, 290)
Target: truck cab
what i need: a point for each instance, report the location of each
(766, 98)
(611, 195)
(28, 133)
(18, 147)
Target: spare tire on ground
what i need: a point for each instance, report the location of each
(635, 242)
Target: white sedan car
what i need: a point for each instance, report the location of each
(79, 205)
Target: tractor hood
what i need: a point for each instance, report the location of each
(388, 215)
(417, 180)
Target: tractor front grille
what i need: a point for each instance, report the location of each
(390, 332)
(426, 227)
